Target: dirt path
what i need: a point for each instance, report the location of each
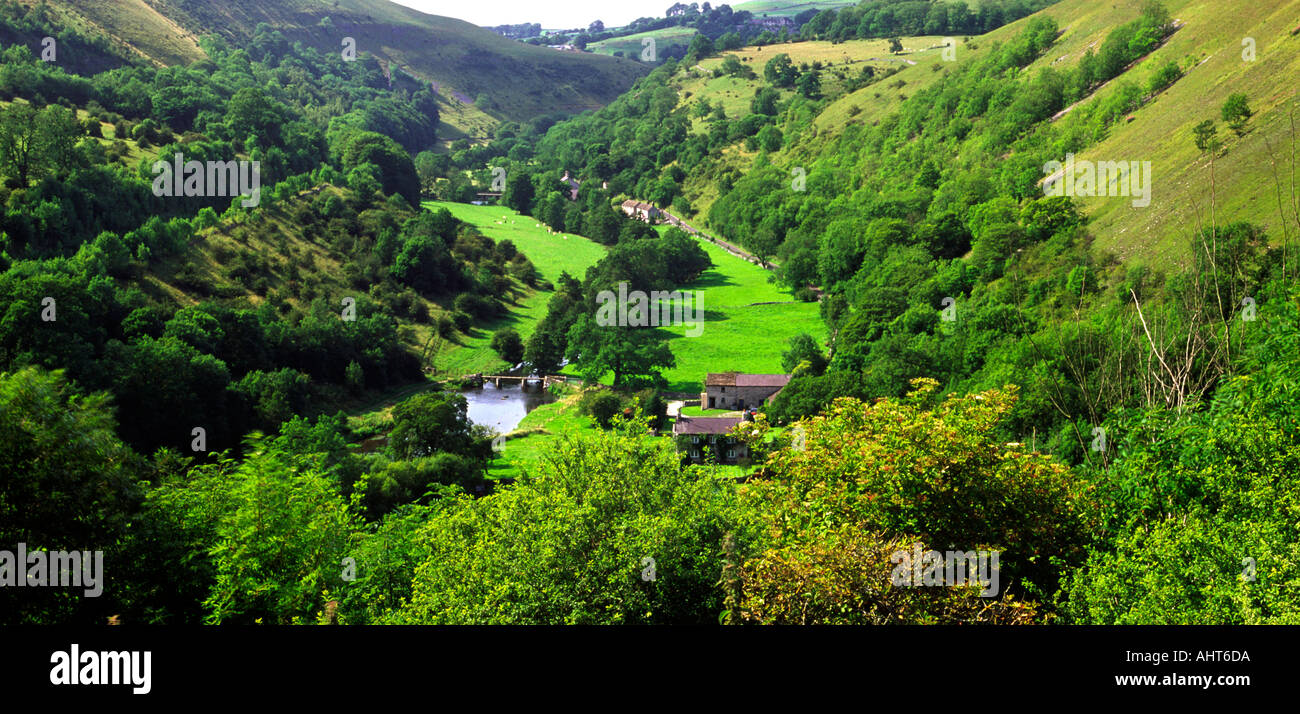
(729, 247)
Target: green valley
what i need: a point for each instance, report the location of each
(891, 312)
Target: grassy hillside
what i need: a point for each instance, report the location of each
(550, 253)
(632, 45)
(135, 24)
(748, 323)
(518, 81)
(786, 8)
(842, 60)
(1210, 48)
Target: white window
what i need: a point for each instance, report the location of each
(695, 453)
(731, 453)
(695, 439)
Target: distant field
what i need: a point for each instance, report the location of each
(778, 8)
(738, 334)
(632, 45)
(551, 254)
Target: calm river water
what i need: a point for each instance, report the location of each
(502, 408)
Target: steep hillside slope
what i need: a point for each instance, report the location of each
(482, 77)
(1210, 47)
(786, 8)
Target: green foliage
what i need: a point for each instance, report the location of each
(66, 483)
(1205, 138)
(396, 170)
(435, 421)
(780, 71)
(274, 531)
(36, 143)
(1236, 113)
(404, 482)
(507, 343)
(603, 506)
(1200, 509)
(903, 472)
(803, 348)
(600, 405)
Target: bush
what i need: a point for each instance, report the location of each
(507, 343)
(445, 326)
(601, 405)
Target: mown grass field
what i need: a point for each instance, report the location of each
(632, 45)
(783, 8)
(551, 254)
(740, 332)
(558, 420)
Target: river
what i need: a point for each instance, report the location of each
(502, 408)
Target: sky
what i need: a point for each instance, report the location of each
(552, 14)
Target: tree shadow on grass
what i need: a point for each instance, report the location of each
(711, 278)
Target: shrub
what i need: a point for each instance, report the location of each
(601, 405)
(507, 343)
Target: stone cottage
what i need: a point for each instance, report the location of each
(736, 390)
(697, 437)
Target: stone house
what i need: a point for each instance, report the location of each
(735, 390)
(697, 437)
(642, 211)
(573, 184)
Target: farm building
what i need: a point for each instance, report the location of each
(642, 211)
(701, 437)
(735, 390)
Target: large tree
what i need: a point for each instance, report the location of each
(432, 422)
(396, 169)
(35, 143)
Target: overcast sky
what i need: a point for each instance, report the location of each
(552, 14)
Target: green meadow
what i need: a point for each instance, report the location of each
(632, 45)
(748, 322)
(740, 333)
(544, 427)
(550, 253)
